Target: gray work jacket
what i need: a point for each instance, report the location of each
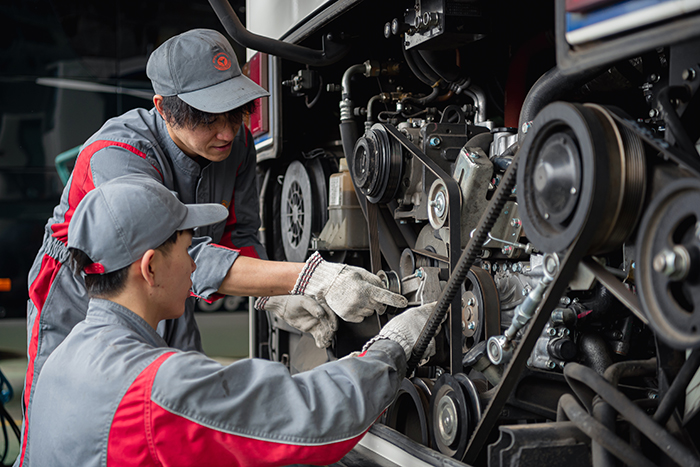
(113, 393)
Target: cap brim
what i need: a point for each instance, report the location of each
(199, 215)
(224, 96)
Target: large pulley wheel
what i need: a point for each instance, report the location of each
(408, 414)
(668, 259)
(576, 166)
(377, 164)
(296, 212)
(454, 413)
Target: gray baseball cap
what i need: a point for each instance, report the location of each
(200, 67)
(117, 222)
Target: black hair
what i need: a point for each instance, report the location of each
(180, 114)
(111, 283)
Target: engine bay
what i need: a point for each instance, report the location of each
(542, 187)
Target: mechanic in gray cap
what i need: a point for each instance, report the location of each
(193, 142)
(144, 403)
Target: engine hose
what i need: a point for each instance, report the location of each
(668, 444)
(604, 413)
(670, 116)
(677, 388)
(548, 88)
(466, 261)
(422, 101)
(434, 61)
(600, 433)
(418, 66)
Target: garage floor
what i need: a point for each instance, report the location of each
(224, 337)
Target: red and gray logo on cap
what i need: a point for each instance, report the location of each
(222, 61)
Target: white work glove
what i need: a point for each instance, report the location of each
(352, 293)
(303, 313)
(405, 330)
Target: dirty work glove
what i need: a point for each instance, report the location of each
(303, 313)
(405, 329)
(352, 293)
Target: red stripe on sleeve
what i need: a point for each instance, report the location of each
(180, 441)
(130, 441)
(145, 434)
(82, 183)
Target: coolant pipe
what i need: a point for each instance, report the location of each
(605, 414)
(479, 98)
(331, 53)
(678, 388)
(667, 444)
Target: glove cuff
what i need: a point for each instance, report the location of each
(305, 275)
(260, 303)
(369, 343)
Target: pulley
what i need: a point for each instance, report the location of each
(668, 260)
(573, 155)
(408, 414)
(378, 164)
(454, 413)
(481, 308)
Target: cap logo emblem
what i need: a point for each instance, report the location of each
(222, 62)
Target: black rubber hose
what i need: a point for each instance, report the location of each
(604, 413)
(601, 434)
(466, 261)
(422, 101)
(550, 87)
(673, 122)
(435, 62)
(411, 62)
(633, 414)
(424, 68)
(297, 53)
(677, 389)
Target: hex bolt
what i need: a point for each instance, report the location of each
(515, 222)
(434, 141)
(566, 301)
(551, 365)
(439, 204)
(526, 126)
(673, 263)
(551, 332)
(653, 113)
(573, 190)
(471, 325)
(507, 250)
(471, 301)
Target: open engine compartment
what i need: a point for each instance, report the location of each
(544, 191)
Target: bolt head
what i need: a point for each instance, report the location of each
(471, 326)
(688, 74)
